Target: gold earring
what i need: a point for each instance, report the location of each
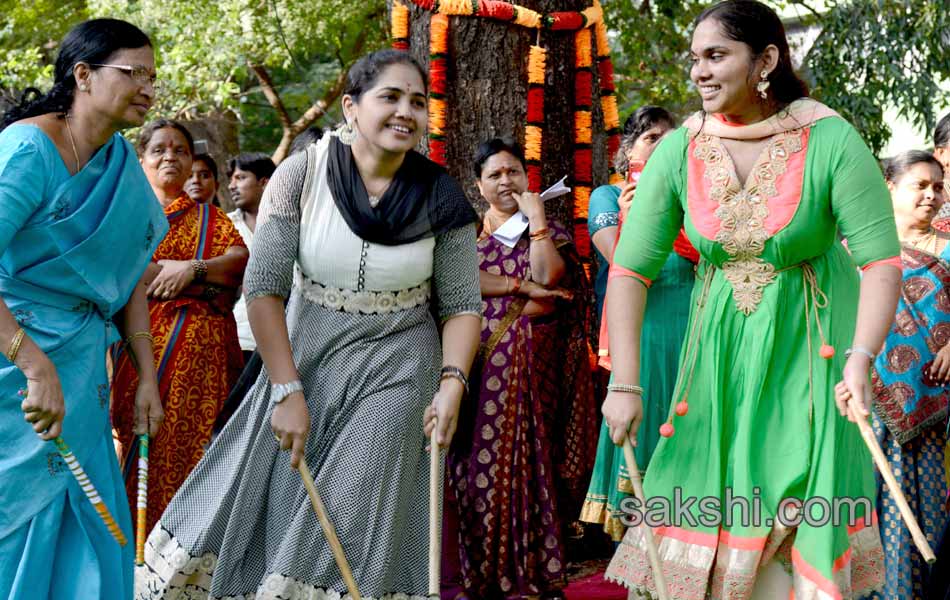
(763, 86)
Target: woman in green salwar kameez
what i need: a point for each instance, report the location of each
(763, 179)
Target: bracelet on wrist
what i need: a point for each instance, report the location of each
(626, 388)
(540, 234)
(147, 335)
(517, 286)
(860, 350)
(454, 373)
(200, 269)
(15, 344)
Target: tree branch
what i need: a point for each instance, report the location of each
(270, 92)
(319, 108)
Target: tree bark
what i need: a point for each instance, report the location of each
(487, 89)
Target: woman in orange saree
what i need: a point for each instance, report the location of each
(193, 279)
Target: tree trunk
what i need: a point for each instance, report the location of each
(487, 89)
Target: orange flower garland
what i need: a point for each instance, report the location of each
(438, 70)
(589, 31)
(537, 57)
(399, 23)
(608, 99)
(583, 137)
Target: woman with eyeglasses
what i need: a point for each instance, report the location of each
(78, 225)
(192, 287)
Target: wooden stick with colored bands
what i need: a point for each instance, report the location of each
(329, 531)
(895, 489)
(142, 501)
(90, 490)
(435, 516)
(662, 591)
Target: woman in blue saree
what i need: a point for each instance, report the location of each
(911, 374)
(78, 225)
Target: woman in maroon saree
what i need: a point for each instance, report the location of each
(526, 444)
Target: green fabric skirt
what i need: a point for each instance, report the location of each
(664, 326)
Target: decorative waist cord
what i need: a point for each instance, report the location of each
(814, 298)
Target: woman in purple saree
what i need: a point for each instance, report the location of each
(525, 448)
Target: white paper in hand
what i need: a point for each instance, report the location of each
(556, 190)
(511, 230)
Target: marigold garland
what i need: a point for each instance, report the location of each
(533, 132)
(583, 137)
(608, 100)
(399, 19)
(438, 72)
(525, 17)
(589, 30)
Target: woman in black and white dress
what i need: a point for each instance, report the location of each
(375, 247)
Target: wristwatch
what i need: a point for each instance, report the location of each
(280, 391)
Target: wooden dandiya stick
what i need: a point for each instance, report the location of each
(435, 516)
(920, 540)
(662, 591)
(329, 531)
(142, 501)
(90, 490)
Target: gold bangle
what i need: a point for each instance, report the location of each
(540, 234)
(139, 334)
(15, 344)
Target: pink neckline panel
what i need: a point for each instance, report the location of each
(782, 207)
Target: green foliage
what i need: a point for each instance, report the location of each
(873, 53)
(651, 50)
(29, 32)
(869, 54)
(205, 47)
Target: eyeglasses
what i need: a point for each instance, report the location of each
(139, 74)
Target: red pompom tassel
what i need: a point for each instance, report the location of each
(666, 430)
(682, 408)
(826, 351)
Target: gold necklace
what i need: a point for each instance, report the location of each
(926, 242)
(72, 142)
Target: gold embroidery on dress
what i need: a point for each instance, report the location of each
(743, 209)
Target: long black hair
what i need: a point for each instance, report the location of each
(758, 26)
(91, 42)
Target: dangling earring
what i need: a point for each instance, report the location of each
(763, 85)
(347, 133)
